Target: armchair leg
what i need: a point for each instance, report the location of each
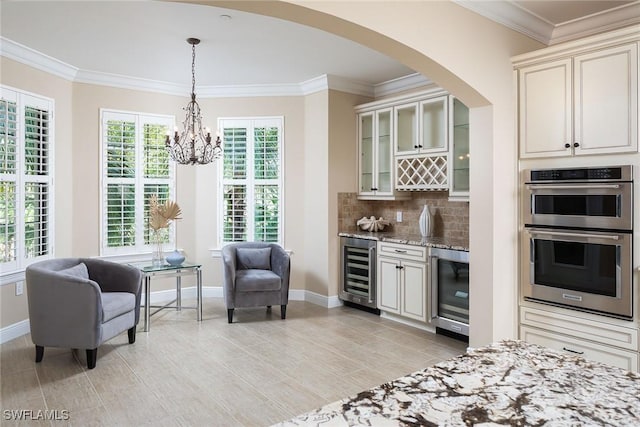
(283, 311)
(39, 353)
(132, 334)
(230, 315)
(92, 356)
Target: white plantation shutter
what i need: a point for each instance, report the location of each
(135, 165)
(251, 180)
(26, 179)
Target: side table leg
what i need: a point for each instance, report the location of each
(199, 293)
(179, 292)
(147, 302)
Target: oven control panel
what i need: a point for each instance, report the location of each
(617, 173)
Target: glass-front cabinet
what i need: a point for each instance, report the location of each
(421, 127)
(459, 150)
(376, 155)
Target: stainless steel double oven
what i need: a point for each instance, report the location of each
(578, 238)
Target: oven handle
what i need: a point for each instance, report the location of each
(433, 260)
(582, 235)
(571, 187)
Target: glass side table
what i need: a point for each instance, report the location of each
(167, 270)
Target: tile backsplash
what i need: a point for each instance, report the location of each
(451, 219)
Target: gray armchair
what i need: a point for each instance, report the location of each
(80, 303)
(255, 274)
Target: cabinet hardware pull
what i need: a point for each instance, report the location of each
(415, 146)
(572, 351)
(419, 146)
(400, 251)
(575, 144)
(567, 145)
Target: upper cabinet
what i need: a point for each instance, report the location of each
(421, 127)
(580, 101)
(376, 165)
(459, 157)
(408, 144)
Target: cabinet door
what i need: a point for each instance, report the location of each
(606, 101)
(433, 125)
(384, 153)
(388, 285)
(459, 150)
(414, 290)
(406, 128)
(545, 115)
(367, 153)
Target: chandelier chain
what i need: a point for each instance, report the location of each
(193, 68)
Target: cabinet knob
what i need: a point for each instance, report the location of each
(576, 145)
(567, 145)
(419, 146)
(415, 146)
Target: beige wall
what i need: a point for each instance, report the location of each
(14, 308)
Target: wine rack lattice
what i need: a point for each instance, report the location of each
(422, 173)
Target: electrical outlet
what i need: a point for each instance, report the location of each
(19, 288)
(399, 216)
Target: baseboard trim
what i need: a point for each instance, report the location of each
(14, 331)
(21, 328)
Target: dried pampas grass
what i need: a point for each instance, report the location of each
(160, 215)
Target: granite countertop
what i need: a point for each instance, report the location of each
(407, 239)
(507, 383)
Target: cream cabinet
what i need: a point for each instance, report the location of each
(421, 127)
(402, 280)
(376, 164)
(459, 157)
(584, 336)
(586, 103)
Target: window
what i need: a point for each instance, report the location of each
(26, 179)
(135, 165)
(250, 179)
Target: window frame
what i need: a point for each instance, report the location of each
(139, 182)
(251, 123)
(14, 270)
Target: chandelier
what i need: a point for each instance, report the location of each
(193, 145)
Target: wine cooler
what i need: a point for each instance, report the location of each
(358, 271)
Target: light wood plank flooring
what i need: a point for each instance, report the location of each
(255, 372)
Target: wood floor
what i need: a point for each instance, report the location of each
(255, 372)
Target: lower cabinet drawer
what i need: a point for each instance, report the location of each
(589, 350)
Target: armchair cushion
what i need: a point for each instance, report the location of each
(80, 271)
(257, 280)
(115, 304)
(254, 258)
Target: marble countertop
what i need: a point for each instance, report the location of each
(407, 239)
(506, 383)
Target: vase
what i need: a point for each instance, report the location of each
(175, 258)
(157, 254)
(426, 222)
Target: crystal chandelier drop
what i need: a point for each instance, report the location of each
(193, 146)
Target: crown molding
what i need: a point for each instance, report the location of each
(512, 16)
(33, 58)
(519, 19)
(622, 16)
(128, 82)
(401, 84)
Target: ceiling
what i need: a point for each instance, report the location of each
(139, 41)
